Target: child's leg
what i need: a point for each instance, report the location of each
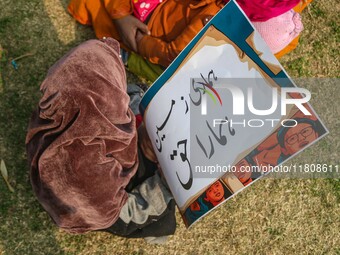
(94, 13)
(101, 20)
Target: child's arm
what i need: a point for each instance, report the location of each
(128, 27)
(126, 24)
(161, 52)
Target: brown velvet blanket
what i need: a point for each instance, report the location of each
(82, 141)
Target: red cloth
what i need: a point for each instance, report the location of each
(139, 120)
(262, 10)
(82, 139)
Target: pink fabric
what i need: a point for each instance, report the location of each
(143, 8)
(262, 10)
(278, 32)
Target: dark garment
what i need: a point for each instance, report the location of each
(161, 225)
(146, 169)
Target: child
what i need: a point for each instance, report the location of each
(172, 25)
(86, 167)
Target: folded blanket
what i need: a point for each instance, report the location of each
(280, 31)
(81, 141)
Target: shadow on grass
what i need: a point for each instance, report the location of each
(27, 27)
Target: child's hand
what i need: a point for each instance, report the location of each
(139, 36)
(128, 28)
(145, 144)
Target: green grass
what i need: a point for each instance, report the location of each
(271, 217)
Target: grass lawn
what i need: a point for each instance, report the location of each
(273, 216)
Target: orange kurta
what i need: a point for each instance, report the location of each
(172, 24)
